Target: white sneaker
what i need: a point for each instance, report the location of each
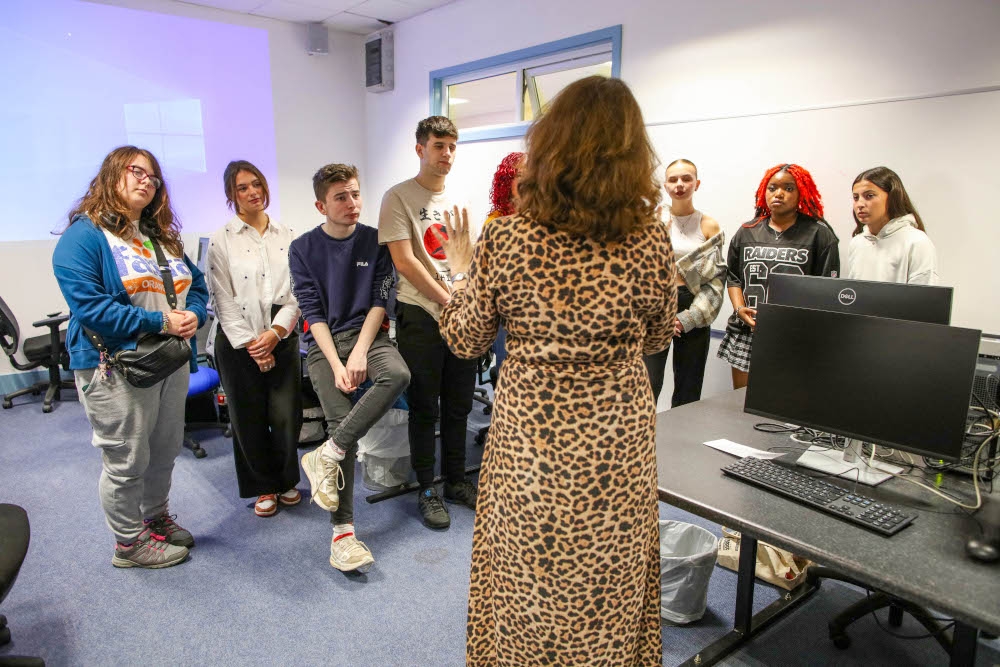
(325, 478)
(349, 554)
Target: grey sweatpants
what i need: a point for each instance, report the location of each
(347, 423)
(139, 432)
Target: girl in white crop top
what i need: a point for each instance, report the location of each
(700, 282)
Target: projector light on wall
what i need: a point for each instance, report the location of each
(378, 61)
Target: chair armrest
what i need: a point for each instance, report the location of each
(52, 320)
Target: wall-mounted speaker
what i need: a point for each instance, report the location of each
(317, 39)
(378, 62)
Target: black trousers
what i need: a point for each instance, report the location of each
(690, 355)
(266, 414)
(436, 376)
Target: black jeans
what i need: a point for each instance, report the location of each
(436, 375)
(266, 413)
(690, 355)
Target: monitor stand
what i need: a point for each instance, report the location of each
(849, 464)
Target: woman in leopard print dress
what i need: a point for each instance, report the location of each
(565, 560)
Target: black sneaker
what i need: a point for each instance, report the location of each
(432, 510)
(165, 526)
(463, 493)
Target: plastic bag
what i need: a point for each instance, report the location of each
(687, 560)
(775, 566)
(384, 452)
(380, 474)
(387, 438)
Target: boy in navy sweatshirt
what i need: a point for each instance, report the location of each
(341, 279)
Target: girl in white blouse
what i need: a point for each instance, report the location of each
(257, 347)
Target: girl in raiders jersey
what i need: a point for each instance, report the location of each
(787, 235)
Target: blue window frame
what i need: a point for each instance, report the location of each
(497, 97)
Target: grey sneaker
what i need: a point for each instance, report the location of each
(463, 493)
(349, 554)
(325, 478)
(165, 525)
(432, 510)
(150, 551)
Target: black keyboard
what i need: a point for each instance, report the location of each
(862, 510)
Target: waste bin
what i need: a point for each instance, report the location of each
(687, 560)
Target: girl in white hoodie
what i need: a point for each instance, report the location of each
(889, 243)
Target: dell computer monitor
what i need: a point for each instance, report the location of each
(897, 383)
(920, 303)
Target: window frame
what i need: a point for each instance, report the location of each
(533, 57)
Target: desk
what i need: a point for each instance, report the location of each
(925, 563)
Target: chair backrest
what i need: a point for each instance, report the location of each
(10, 333)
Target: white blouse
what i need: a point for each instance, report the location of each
(247, 273)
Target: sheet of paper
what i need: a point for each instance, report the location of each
(736, 449)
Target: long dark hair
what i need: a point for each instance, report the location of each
(106, 208)
(898, 202)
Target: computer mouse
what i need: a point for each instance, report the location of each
(982, 550)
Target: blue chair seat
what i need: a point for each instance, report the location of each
(206, 379)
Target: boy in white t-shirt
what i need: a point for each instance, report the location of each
(410, 210)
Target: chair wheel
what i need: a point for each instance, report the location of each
(841, 641)
(229, 432)
(46, 409)
(36, 392)
(488, 409)
(199, 453)
(7, 405)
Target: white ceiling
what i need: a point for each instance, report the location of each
(357, 16)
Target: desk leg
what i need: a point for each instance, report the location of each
(745, 623)
(743, 618)
(963, 649)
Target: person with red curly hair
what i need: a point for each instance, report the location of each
(503, 202)
(787, 235)
(503, 192)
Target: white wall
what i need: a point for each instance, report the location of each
(692, 65)
(319, 116)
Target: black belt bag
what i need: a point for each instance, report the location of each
(156, 355)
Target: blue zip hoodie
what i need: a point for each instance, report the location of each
(88, 278)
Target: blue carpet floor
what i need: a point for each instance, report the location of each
(261, 591)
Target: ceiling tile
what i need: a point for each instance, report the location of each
(228, 5)
(286, 10)
(348, 22)
(424, 5)
(388, 10)
(333, 6)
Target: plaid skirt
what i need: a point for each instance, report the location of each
(735, 350)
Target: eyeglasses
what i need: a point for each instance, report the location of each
(141, 175)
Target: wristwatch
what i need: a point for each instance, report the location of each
(459, 276)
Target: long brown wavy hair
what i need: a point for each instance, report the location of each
(592, 169)
(106, 208)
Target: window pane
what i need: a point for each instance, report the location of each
(489, 101)
(549, 85)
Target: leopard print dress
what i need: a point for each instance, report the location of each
(565, 553)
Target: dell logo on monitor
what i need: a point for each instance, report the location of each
(847, 296)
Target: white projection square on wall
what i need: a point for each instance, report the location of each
(171, 130)
(82, 78)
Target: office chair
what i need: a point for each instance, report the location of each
(205, 397)
(49, 351)
(871, 603)
(15, 534)
(486, 374)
